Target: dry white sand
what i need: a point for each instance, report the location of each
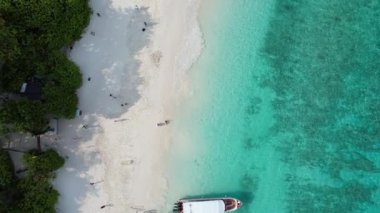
(121, 150)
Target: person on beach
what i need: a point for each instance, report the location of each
(93, 183)
(145, 24)
(166, 122)
(104, 206)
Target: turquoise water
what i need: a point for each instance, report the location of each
(285, 113)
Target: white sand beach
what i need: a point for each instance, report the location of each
(134, 58)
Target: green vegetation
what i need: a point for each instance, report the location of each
(43, 163)
(32, 193)
(6, 170)
(38, 195)
(33, 38)
(24, 115)
(33, 35)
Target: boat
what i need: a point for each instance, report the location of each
(207, 205)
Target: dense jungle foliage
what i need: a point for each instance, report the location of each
(34, 36)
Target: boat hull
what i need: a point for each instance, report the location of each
(230, 204)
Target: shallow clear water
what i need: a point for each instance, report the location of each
(286, 108)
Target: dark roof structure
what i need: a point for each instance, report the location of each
(32, 89)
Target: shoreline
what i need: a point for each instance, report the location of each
(172, 51)
(124, 150)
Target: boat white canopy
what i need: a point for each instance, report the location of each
(214, 206)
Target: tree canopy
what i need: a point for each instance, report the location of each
(44, 163)
(6, 170)
(34, 35)
(38, 194)
(33, 192)
(24, 115)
